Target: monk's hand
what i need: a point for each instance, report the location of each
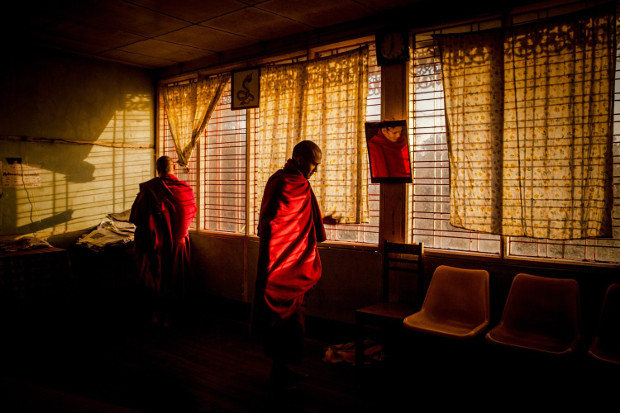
(331, 220)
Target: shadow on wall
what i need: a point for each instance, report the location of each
(47, 96)
(52, 221)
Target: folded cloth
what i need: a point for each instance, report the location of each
(120, 216)
(108, 232)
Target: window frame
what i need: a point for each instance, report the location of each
(251, 212)
(505, 243)
(503, 255)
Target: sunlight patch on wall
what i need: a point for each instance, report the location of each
(94, 180)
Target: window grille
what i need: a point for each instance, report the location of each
(217, 169)
(429, 197)
(222, 162)
(591, 250)
(364, 233)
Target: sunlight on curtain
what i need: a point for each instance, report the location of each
(323, 100)
(557, 136)
(473, 81)
(555, 156)
(189, 107)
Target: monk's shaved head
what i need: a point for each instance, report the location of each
(164, 165)
(307, 155)
(306, 150)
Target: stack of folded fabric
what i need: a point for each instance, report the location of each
(115, 229)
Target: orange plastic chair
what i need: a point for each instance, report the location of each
(606, 343)
(541, 314)
(456, 305)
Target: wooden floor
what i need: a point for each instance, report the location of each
(209, 363)
(203, 364)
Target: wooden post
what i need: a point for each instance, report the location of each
(393, 198)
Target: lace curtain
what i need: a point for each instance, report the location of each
(323, 100)
(529, 128)
(189, 107)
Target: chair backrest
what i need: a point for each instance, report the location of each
(608, 332)
(403, 272)
(543, 307)
(458, 294)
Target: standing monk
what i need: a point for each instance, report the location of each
(289, 227)
(162, 213)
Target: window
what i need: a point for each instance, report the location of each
(429, 199)
(217, 169)
(364, 233)
(429, 212)
(222, 162)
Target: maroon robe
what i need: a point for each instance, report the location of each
(389, 159)
(290, 226)
(163, 212)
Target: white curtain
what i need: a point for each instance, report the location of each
(323, 100)
(529, 121)
(189, 107)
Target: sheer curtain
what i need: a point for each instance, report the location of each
(473, 80)
(323, 100)
(189, 107)
(550, 88)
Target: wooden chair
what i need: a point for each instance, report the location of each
(606, 343)
(456, 305)
(402, 287)
(541, 314)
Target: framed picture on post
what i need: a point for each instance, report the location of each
(388, 151)
(245, 88)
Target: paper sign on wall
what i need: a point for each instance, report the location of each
(19, 175)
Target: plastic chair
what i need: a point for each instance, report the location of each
(606, 343)
(541, 314)
(456, 305)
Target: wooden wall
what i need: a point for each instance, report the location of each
(86, 128)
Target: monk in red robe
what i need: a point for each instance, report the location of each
(389, 156)
(163, 212)
(290, 226)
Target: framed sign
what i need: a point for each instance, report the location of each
(245, 88)
(388, 151)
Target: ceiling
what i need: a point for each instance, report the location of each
(157, 34)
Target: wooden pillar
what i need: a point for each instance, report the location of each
(393, 198)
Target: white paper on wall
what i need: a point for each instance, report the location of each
(19, 175)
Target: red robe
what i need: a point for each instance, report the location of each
(163, 212)
(388, 159)
(290, 226)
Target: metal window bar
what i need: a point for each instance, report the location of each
(355, 233)
(429, 199)
(223, 153)
(218, 167)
